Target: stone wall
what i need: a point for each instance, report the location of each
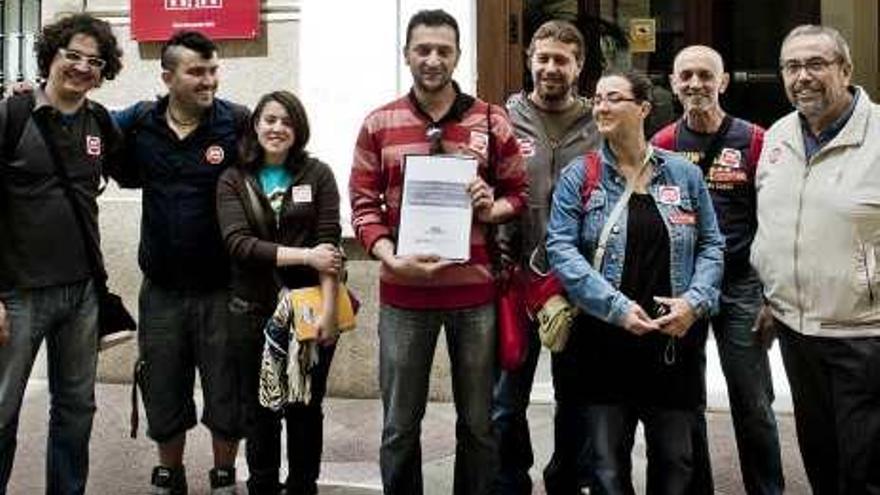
(248, 69)
(354, 372)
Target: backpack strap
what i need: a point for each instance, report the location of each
(593, 165)
(756, 144)
(109, 134)
(667, 137)
(242, 116)
(18, 113)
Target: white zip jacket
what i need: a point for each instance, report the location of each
(818, 242)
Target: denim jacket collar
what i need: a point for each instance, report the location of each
(610, 160)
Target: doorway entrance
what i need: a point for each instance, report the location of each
(646, 35)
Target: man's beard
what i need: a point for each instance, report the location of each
(558, 93)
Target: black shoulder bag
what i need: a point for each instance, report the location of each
(112, 315)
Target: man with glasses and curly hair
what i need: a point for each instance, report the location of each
(47, 287)
(816, 251)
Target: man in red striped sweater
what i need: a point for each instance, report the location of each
(419, 294)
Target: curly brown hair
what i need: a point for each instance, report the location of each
(58, 34)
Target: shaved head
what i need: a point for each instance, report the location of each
(698, 80)
(706, 53)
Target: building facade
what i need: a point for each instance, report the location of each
(343, 58)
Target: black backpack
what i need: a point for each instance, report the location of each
(18, 113)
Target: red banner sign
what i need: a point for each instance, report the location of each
(157, 20)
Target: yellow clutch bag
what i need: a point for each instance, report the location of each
(307, 308)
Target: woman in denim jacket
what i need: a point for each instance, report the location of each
(640, 339)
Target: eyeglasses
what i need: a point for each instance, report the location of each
(75, 57)
(814, 66)
(612, 99)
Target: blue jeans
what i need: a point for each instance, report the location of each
(669, 449)
(67, 317)
(746, 369)
(407, 339)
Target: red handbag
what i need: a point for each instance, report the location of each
(512, 321)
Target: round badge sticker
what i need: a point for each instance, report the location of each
(214, 155)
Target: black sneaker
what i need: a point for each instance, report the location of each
(222, 481)
(168, 481)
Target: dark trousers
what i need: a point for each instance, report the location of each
(835, 387)
(305, 434)
(569, 468)
(669, 449)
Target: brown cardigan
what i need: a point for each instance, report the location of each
(301, 224)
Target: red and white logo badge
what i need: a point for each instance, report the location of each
(683, 218)
(93, 145)
(730, 157)
(774, 155)
(526, 146)
(479, 142)
(670, 195)
(214, 155)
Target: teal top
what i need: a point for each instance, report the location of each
(275, 179)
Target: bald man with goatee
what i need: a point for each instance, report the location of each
(727, 148)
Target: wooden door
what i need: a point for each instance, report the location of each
(499, 49)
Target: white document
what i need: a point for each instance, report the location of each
(435, 211)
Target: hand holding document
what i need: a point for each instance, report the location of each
(436, 211)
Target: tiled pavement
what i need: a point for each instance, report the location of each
(120, 465)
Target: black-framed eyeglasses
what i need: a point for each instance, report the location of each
(815, 65)
(74, 57)
(612, 99)
(434, 135)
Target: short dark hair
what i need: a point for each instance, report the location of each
(432, 18)
(192, 40)
(562, 31)
(640, 84)
(58, 35)
(252, 153)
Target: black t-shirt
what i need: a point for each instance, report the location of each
(623, 368)
(41, 243)
(646, 266)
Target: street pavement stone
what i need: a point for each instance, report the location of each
(121, 465)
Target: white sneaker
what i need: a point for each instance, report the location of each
(106, 341)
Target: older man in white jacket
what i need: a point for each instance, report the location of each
(816, 251)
